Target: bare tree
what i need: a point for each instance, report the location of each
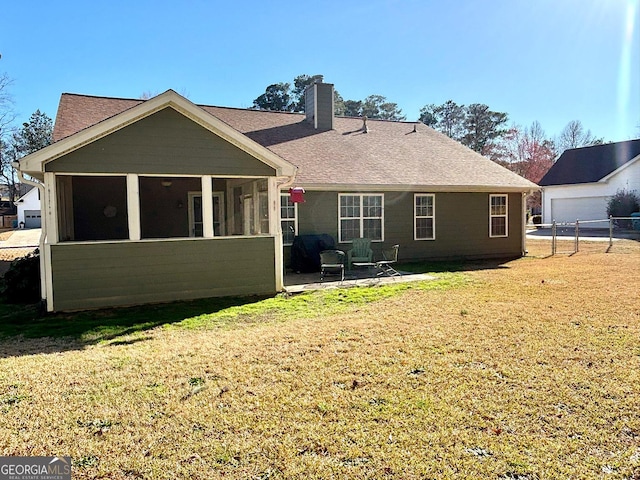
(7, 114)
(574, 135)
(8, 135)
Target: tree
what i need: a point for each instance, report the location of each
(482, 128)
(574, 135)
(36, 133)
(7, 114)
(276, 97)
(352, 108)
(377, 106)
(281, 97)
(300, 84)
(447, 118)
(338, 103)
(528, 151)
(8, 153)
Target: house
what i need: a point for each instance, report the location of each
(580, 183)
(29, 212)
(161, 199)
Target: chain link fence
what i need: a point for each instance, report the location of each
(565, 236)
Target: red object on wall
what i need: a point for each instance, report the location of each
(297, 194)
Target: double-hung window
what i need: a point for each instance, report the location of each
(288, 218)
(498, 209)
(424, 217)
(360, 215)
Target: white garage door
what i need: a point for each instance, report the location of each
(572, 209)
(32, 219)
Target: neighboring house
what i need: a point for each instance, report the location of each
(581, 182)
(158, 200)
(29, 212)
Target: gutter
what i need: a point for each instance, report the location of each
(43, 234)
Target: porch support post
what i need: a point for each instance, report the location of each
(275, 229)
(133, 206)
(50, 208)
(207, 206)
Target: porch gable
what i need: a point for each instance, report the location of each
(165, 142)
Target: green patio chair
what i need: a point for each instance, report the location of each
(360, 252)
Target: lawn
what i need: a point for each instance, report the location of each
(527, 369)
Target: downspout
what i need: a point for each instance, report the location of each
(43, 234)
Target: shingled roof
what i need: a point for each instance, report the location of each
(392, 155)
(590, 164)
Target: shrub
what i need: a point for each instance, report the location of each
(21, 283)
(623, 204)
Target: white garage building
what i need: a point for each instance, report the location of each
(29, 213)
(581, 182)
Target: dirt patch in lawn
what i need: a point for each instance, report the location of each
(528, 371)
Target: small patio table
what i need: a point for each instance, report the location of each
(364, 265)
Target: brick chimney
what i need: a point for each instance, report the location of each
(318, 105)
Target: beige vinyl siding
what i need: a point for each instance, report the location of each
(461, 223)
(163, 143)
(97, 275)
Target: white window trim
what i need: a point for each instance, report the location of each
(432, 217)
(295, 217)
(361, 218)
(506, 215)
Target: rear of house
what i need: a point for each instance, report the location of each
(159, 200)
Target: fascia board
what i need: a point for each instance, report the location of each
(35, 162)
(571, 185)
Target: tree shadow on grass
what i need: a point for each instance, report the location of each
(24, 331)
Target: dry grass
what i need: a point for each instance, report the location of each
(527, 371)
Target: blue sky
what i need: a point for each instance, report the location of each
(547, 60)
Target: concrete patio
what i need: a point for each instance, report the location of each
(303, 282)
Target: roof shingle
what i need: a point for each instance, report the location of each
(391, 154)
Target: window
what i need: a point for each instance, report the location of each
(360, 216)
(498, 216)
(424, 217)
(288, 218)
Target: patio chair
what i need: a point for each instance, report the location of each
(360, 252)
(331, 262)
(389, 257)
